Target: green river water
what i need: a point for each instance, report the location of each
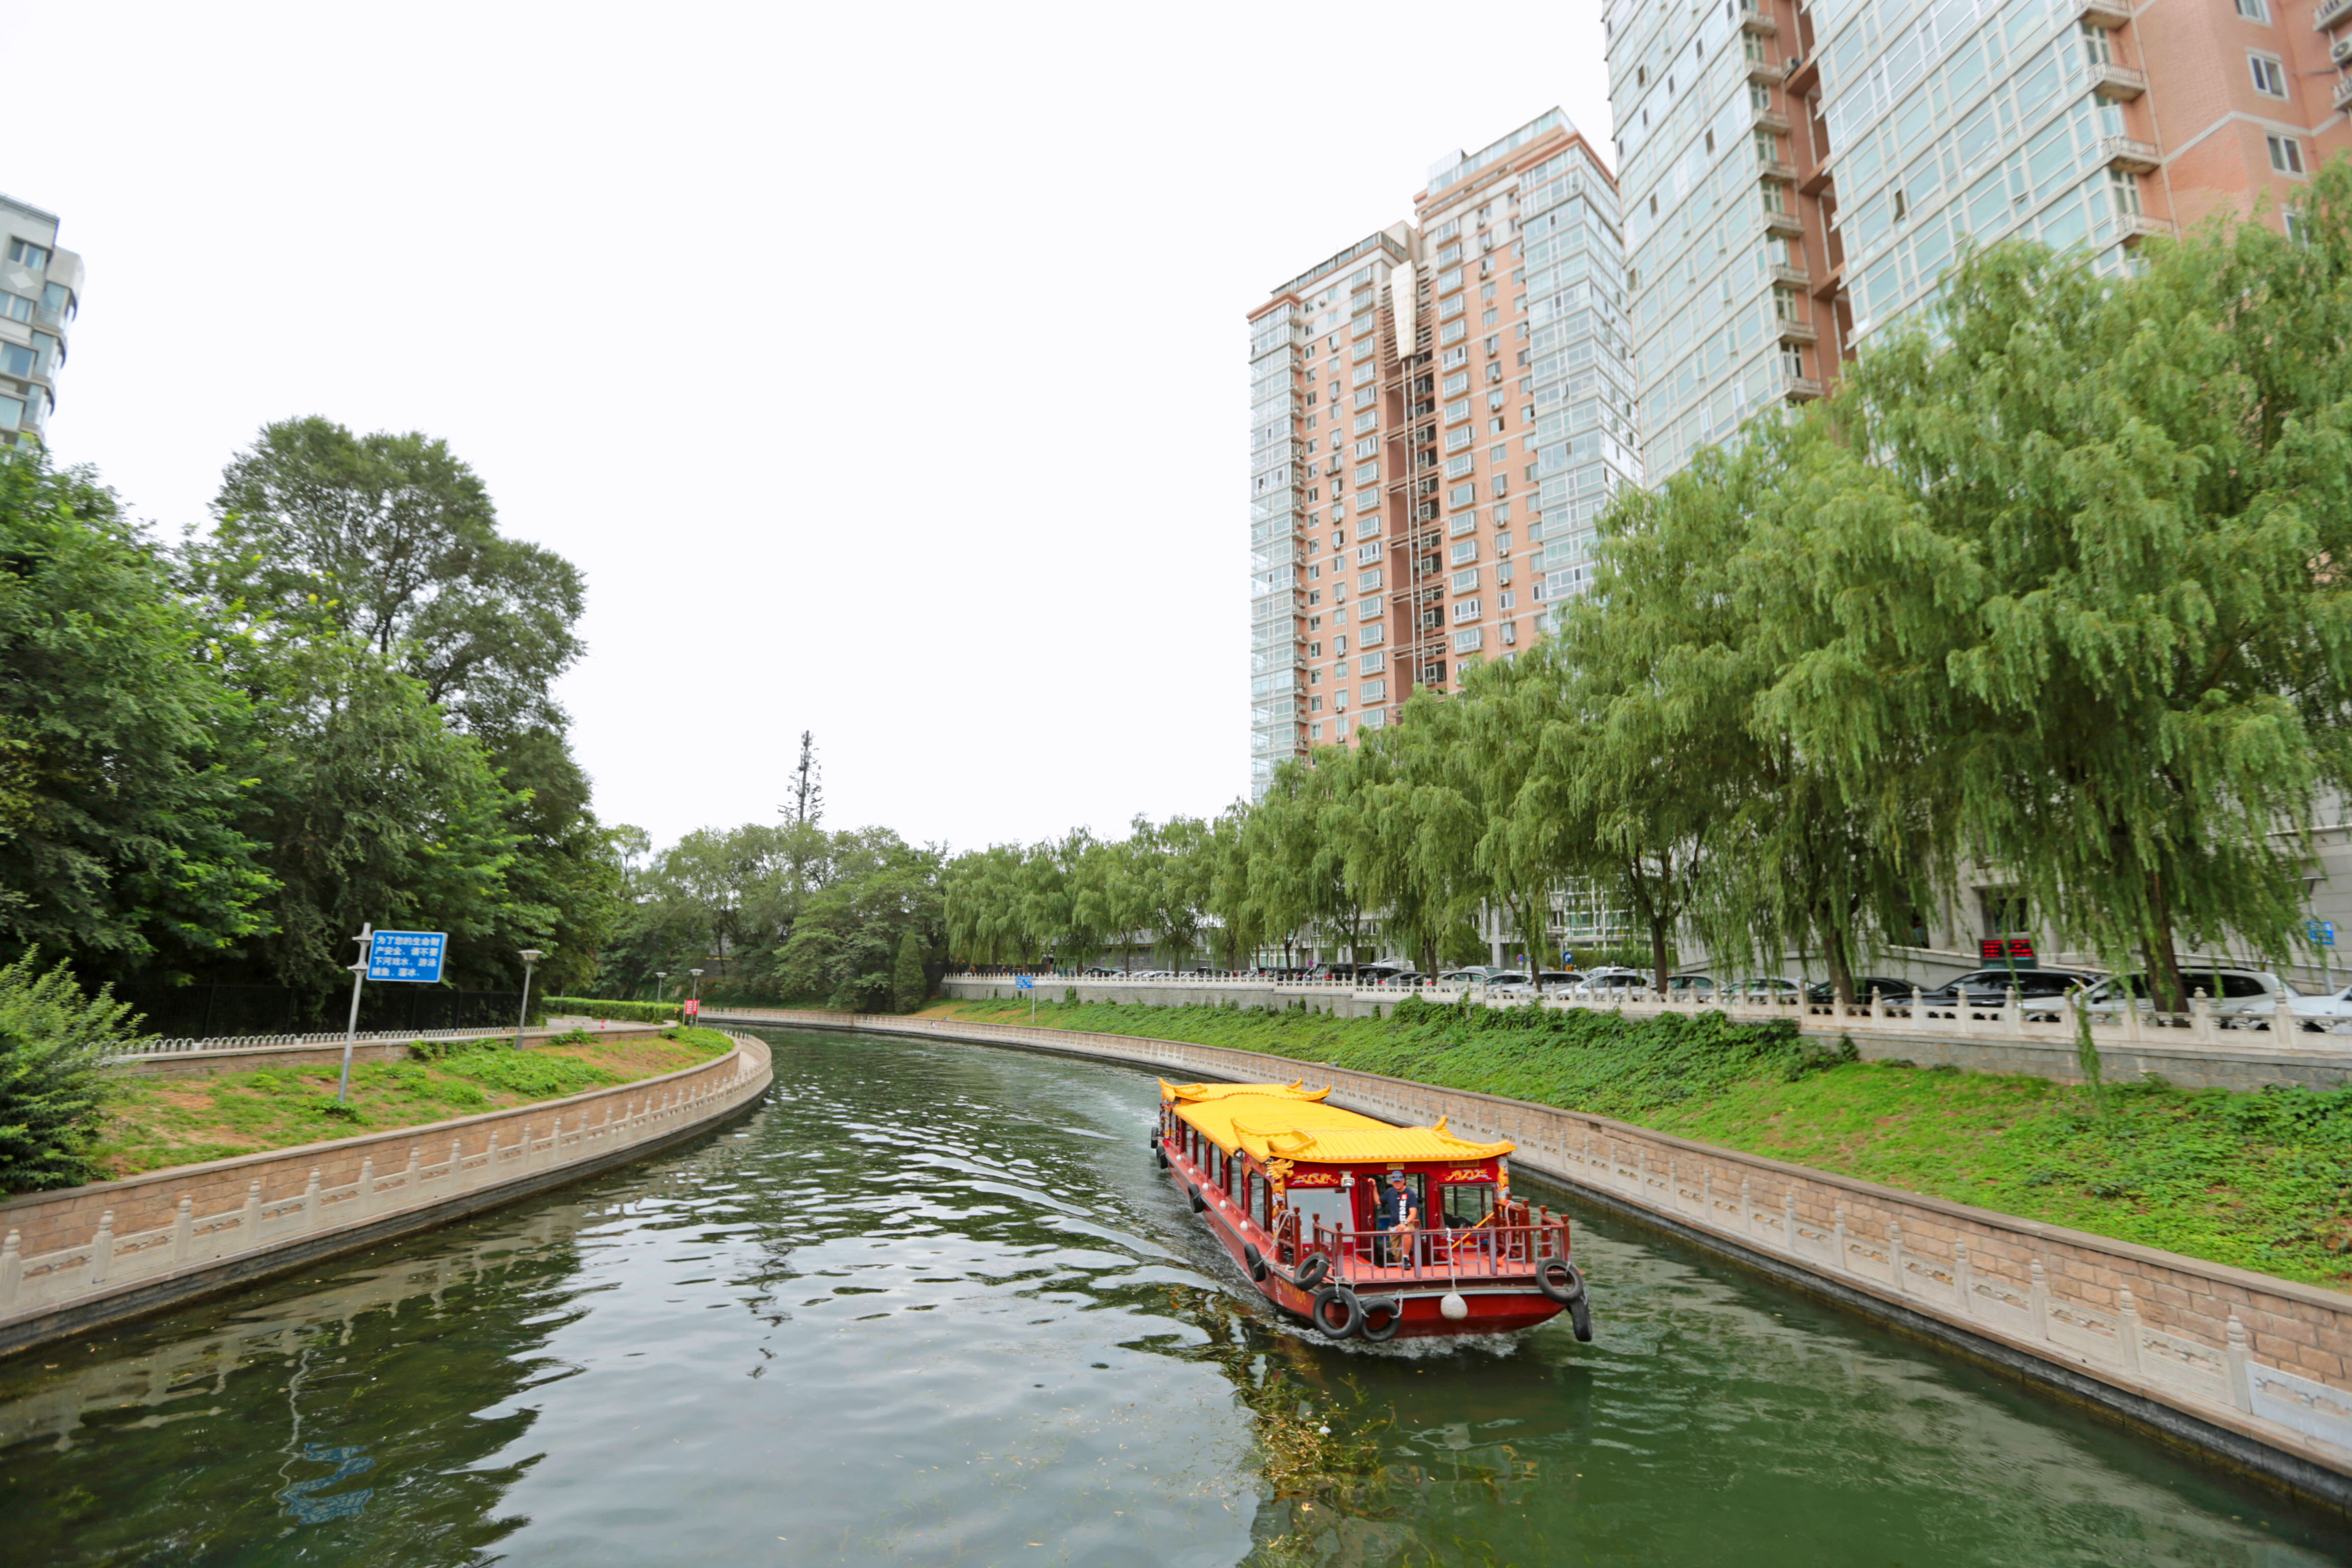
(930, 1304)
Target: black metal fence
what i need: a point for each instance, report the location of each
(201, 1011)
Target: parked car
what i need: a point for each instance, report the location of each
(1477, 977)
(1765, 988)
(1989, 988)
(1610, 984)
(1510, 983)
(1557, 982)
(1682, 988)
(2240, 999)
(1888, 990)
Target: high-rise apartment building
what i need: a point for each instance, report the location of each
(40, 289)
(1439, 412)
(1798, 176)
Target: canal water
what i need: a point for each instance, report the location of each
(931, 1305)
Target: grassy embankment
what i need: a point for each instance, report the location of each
(159, 1122)
(2260, 1181)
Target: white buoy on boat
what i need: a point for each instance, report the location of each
(1454, 1309)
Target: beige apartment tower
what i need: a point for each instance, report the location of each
(1438, 415)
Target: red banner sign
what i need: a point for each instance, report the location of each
(694, 1007)
(2006, 949)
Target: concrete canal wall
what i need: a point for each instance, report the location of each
(2203, 1056)
(2256, 1370)
(73, 1259)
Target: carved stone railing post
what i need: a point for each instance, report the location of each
(1897, 1273)
(1788, 1220)
(101, 1250)
(250, 1229)
(12, 1268)
(311, 1202)
(2128, 1329)
(366, 1198)
(2038, 1294)
(1964, 1277)
(183, 1228)
(1838, 1258)
(2234, 1369)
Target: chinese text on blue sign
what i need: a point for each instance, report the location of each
(414, 956)
(1022, 983)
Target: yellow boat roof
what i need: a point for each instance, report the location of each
(1279, 1122)
(1294, 1089)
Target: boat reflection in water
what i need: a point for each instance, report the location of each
(1298, 1191)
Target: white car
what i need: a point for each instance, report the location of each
(1609, 985)
(2330, 1013)
(2240, 999)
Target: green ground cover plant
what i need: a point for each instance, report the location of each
(2260, 1181)
(155, 1122)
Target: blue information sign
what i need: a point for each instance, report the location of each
(2322, 933)
(414, 956)
(1022, 983)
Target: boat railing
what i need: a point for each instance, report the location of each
(1479, 1252)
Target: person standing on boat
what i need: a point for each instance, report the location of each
(1400, 1217)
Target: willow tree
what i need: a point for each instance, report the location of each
(2073, 542)
(984, 905)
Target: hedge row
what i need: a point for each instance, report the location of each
(619, 1012)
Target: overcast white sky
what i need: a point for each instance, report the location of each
(882, 367)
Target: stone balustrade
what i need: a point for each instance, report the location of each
(72, 1259)
(2256, 1368)
(2198, 1049)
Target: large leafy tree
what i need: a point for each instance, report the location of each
(2077, 540)
(121, 749)
(393, 540)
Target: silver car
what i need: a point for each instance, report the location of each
(2240, 999)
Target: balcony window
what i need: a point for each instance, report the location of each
(25, 254)
(1469, 640)
(15, 307)
(2123, 189)
(1466, 550)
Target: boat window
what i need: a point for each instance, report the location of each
(1334, 1207)
(1258, 1201)
(1468, 1204)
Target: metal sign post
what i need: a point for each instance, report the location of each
(2322, 937)
(410, 956)
(1022, 983)
(352, 1030)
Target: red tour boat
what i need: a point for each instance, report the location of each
(1291, 1188)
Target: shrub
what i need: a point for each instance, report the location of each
(618, 1012)
(54, 1045)
(909, 984)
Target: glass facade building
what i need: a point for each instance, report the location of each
(1439, 412)
(40, 289)
(1798, 175)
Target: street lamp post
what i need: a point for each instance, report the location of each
(695, 1011)
(661, 984)
(530, 956)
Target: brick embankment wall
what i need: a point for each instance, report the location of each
(2256, 1369)
(89, 1255)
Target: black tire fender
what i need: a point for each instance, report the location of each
(1383, 1316)
(1560, 1279)
(1160, 1154)
(1311, 1273)
(1350, 1311)
(1192, 1196)
(1579, 1316)
(1255, 1261)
